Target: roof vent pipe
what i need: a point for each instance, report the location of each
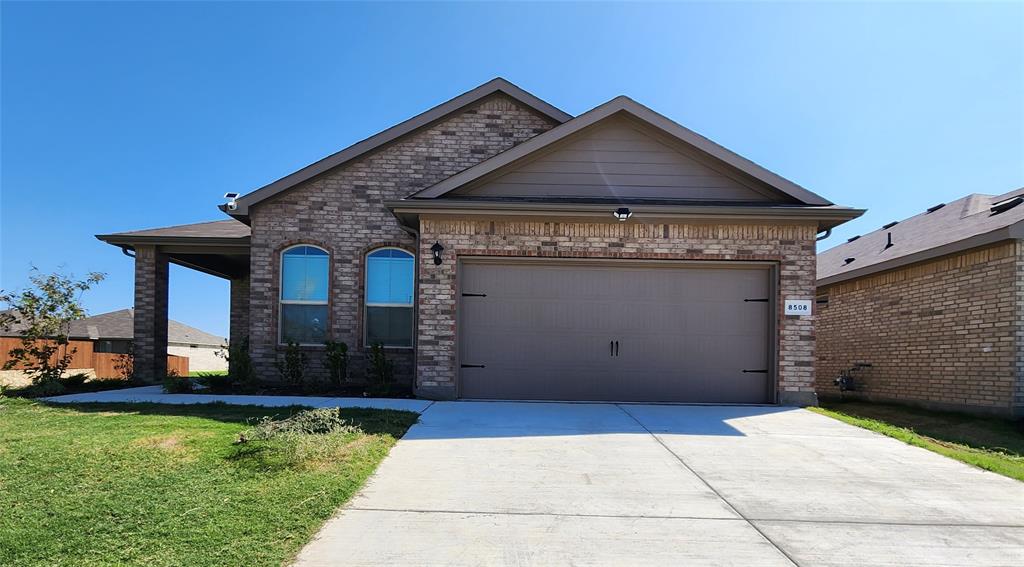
(848, 260)
(888, 243)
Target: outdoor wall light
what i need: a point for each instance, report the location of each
(436, 250)
(622, 213)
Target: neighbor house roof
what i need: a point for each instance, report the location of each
(974, 220)
(120, 325)
(485, 90)
(621, 105)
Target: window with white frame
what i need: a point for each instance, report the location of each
(304, 284)
(390, 275)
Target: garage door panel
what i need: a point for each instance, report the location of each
(543, 331)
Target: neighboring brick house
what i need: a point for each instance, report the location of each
(500, 248)
(935, 303)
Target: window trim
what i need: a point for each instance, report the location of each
(281, 302)
(367, 304)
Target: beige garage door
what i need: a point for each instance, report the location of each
(619, 332)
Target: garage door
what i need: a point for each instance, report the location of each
(617, 332)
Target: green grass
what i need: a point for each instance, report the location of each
(992, 444)
(197, 373)
(147, 484)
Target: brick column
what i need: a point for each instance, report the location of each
(150, 342)
(239, 324)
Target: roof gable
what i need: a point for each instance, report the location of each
(392, 134)
(624, 159)
(739, 178)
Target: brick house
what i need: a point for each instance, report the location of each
(500, 248)
(935, 303)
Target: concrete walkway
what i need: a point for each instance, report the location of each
(607, 484)
(156, 395)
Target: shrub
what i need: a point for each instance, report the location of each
(45, 312)
(125, 363)
(337, 361)
(44, 389)
(381, 370)
(74, 380)
(240, 363)
(292, 364)
(216, 383)
(319, 421)
(175, 384)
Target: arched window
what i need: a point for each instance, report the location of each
(389, 288)
(304, 284)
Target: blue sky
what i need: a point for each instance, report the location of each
(124, 116)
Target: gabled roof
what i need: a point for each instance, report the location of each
(358, 149)
(620, 106)
(120, 325)
(944, 229)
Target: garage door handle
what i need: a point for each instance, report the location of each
(474, 295)
(473, 365)
(611, 348)
(764, 300)
(616, 348)
(745, 371)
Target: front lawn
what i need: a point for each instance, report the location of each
(148, 484)
(993, 444)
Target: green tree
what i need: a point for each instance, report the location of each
(43, 312)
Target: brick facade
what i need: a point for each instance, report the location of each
(150, 344)
(945, 333)
(343, 212)
(790, 247)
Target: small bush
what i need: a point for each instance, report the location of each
(174, 384)
(381, 370)
(337, 362)
(240, 366)
(44, 389)
(292, 364)
(216, 383)
(319, 421)
(74, 380)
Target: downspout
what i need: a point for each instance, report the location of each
(828, 233)
(124, 250)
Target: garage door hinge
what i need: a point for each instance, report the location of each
(473, 365)
(745, 371)
(474, 295)
(764, 300)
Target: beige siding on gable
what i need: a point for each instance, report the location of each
(619, 160)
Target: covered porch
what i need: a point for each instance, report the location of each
(217, 248)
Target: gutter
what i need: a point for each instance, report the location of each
(829, 216)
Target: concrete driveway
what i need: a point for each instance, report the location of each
(622, 484)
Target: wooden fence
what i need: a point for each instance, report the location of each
(104, 363)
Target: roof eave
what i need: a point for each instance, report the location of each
(129, 240)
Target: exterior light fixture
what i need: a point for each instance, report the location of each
(622, 213)
(436, 250)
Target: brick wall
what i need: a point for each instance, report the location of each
(943, 333)
(343, 212)
(792, 247)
